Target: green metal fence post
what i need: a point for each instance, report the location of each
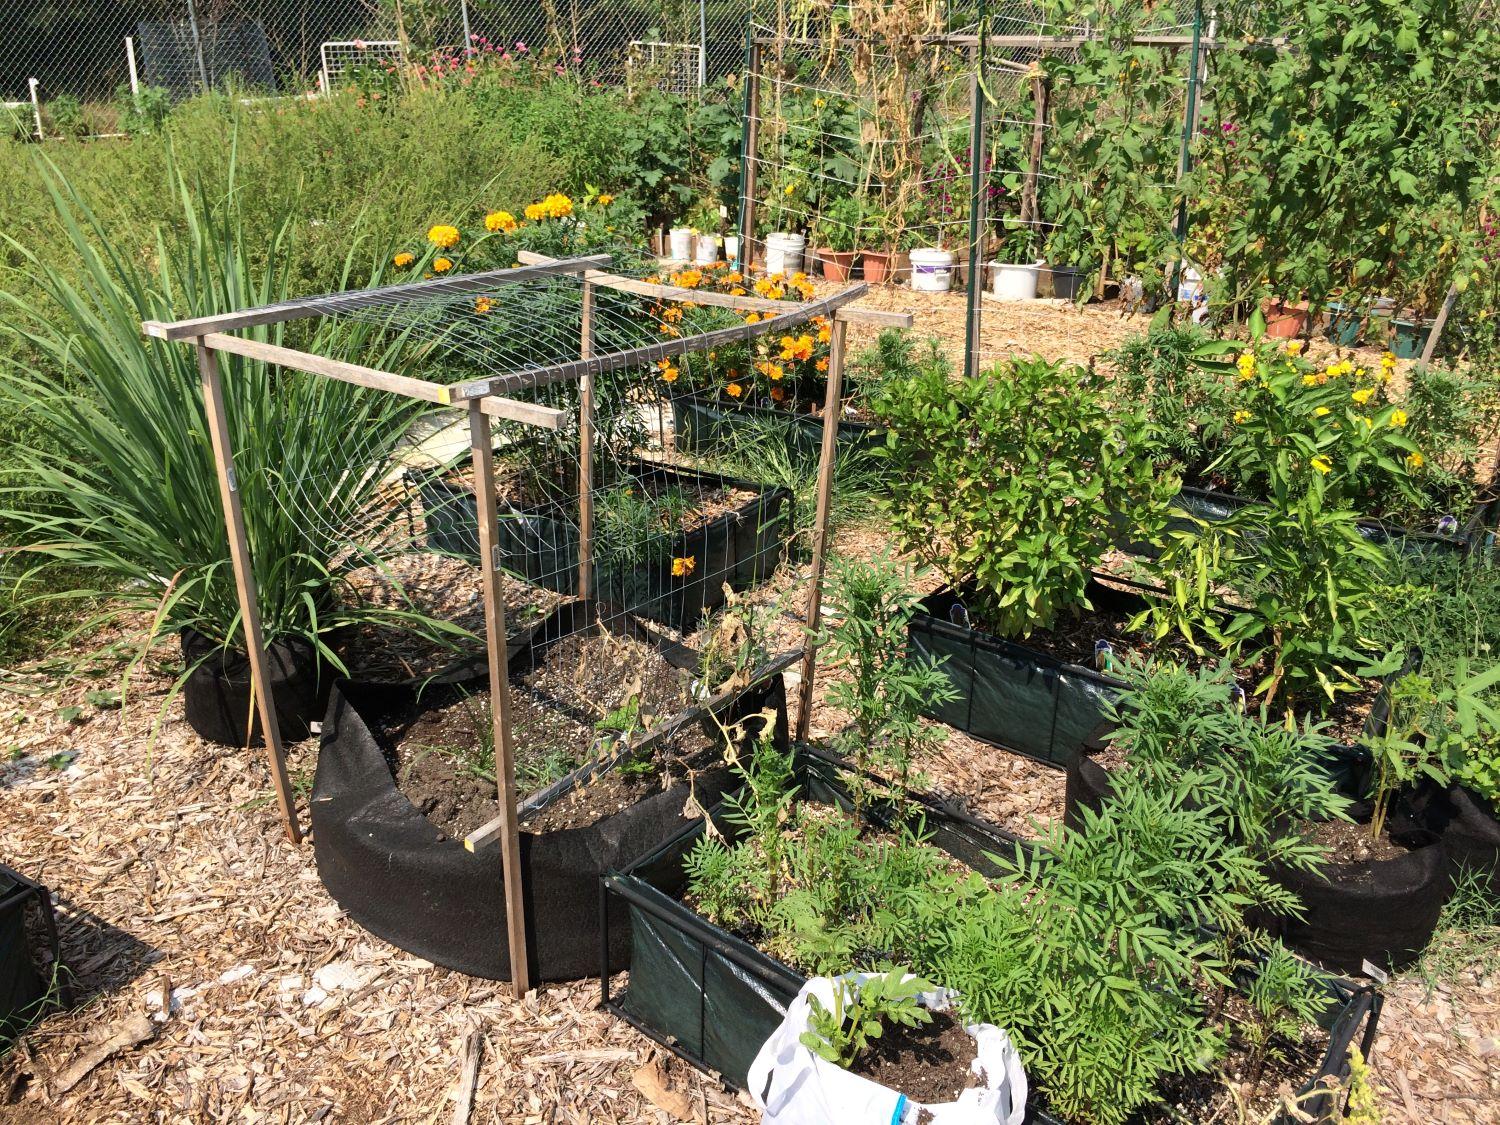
(977, 197)
(1189, 127)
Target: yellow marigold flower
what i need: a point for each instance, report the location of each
(1363, 395)
(535, 212)
(825, 334)
(605, 199)
(1388, 360)
(1398, 417)
(688, 279)
(669, 374)
(1241, 417)
(1294, 347)
(483, 305)
(772, 371)
(403, 259)
(443, 236)
(800, 348)
(441, 265)
(734, 390)
(733, 277)
(1322, 464)
(1320, 411)
(1415, 460)
(1310, 380)
(502, 221)
(738, 291)
(1246, 365)
(681, 568)
(752, 318)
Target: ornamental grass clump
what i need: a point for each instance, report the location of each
(122, 483)
(1012, 478)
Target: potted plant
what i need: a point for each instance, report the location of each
(1071, 255)
(617, 734)
(128, 483)
(842, 1037)
(837, 233)
(876, 264)
(1285, 319)
(1016, 518)
(704, 222)
(1017, 269)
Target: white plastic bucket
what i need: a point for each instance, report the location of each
(1014, 281)
(680, 244)
(732, 247)
(1190, 286)
(705, 249)
(931, 270)
(785, 253)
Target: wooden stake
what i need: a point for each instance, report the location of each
(1439, 322)
(833, 409)
(586, 451)
(747, 161)
(468, 1078)
(481, 446)
(244, 581)
(1041, 90)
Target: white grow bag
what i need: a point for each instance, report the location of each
(793, 1086)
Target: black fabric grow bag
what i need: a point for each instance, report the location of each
(1018, 698)
(1383, 912)
(1469, 828)
(540, 544)
(1380, 911)
(703, 426)
(1212, 506)
(24, 989)
(403, 879)
(1009, 694)
(216, 698)
(714, 999)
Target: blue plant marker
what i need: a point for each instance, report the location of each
(900, 1111)
(1104, 654)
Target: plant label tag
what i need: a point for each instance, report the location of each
(1375, 973)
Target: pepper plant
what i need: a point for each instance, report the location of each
(1011, 478)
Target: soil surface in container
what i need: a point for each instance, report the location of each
(1351, 843)
(1205, 1100)
(928, 1063)
(443, 760)
(1072, 640)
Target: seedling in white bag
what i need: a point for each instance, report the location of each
(861, 1012)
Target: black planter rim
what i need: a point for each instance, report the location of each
(848, 425)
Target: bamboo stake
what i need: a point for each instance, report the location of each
(482, 448)
(1439, 322)
(747, 161)
(833, 409)
(586, 451)
(244, 581)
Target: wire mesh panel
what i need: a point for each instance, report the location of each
(185, 58)
(344, 59)
(677, 68)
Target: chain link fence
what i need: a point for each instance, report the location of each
(92, 51)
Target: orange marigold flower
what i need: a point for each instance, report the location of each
(483, 305)
(502, 221)
(778, 394)
(681, 568)
(772, 371)
(800, 348)
(403, 259)
(752, 318)
(441, 265)
(605, 199)
(734, 390)
(443, 236)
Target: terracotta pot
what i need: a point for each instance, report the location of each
(1285, 321)
(838, 265)
(877, 266)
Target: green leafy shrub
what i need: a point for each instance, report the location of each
(1011, 477)
(1187, 405)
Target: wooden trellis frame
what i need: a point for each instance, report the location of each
(483, 401)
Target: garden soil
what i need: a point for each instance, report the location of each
(173, 879)
(928, 1063)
